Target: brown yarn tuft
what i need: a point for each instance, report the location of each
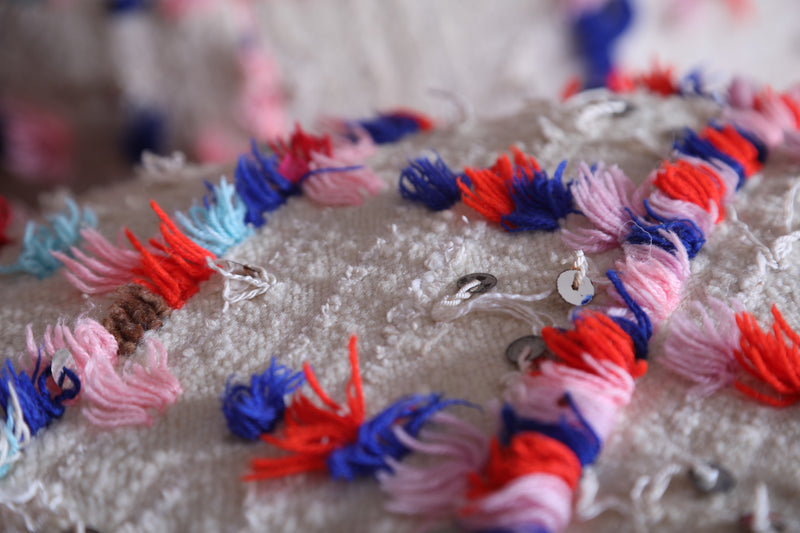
(135, 311)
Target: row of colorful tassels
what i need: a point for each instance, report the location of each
(153, 279)
(628, 335)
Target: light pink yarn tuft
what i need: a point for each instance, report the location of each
(704, 352)
(111, 267)
(602, 196)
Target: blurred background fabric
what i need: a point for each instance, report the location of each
(98, 82)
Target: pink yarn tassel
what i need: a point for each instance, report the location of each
(602, 196)
(111, 267)
(541, 500)
(261, 102)
(438, 490)
(340, 187)
(741, 93)
(704, 353)
(598, 396)
(111, 399)
(653, 276)
(670, 208)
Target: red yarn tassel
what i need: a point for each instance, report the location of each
(313, 432)
(658, 80)
(490, 194)
(176, 273)
(600, 337)
(770, 359)
(735, 145)
(690, 183)
(527, 453)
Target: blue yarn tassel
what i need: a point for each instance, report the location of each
(377, 441)
(262, 188)
(687, 231)
(388, 128)
(253, 410)
(578, 435)
(146, 130)
(220, 222)
(39, 407)
(39, 240)
(692, 145)
(595, 33)
(120, 7)
(429, 182)
(539, 202)
(639, 331)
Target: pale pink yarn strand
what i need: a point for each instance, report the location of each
(541, 500)
(438, 490)
(602, 196)
(704, 352)
(113, 265)
(338, 187)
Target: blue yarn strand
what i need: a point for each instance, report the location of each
(220, 222)
(595, 34)
(39, 240)
(39, 407)
(254, 409)
(11, 439)
(376, 438)
(639, 331)
(260, 185)
(577, 434)
(429, 182)
(146, 130)
(687, 231)
(389, 128)
(539, 202)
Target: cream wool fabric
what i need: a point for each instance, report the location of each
(377, 270)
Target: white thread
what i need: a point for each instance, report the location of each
(788, 205)
(580, 266)
(773, 256)
(463, 294)
(515, 305)
(20, 503)
(705, 474)
(761, 521)
(587, 506)
(239, 279)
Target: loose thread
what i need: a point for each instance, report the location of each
(242, 282)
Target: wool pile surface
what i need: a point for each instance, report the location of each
(377, 270)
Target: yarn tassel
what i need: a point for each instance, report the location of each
(260, 185)
(596, 31)
(393, 126)
(37, 403)
(429, 182)
(598, 394)
(437, 490)
(698, 185)
(110, 267)
(176, 272)
(654, 276)
(525, 485)
(488, 191)
(598, 335)
(312, 433)
(728, 140)
(692, 145)
(659, 80)
(112, 399)
(641, 328)
(255, 409)
(685, 230)
(338, 440)
(295, 154)
(703, 353)
(135, 311)
(40, 241)
(339, 179)
(220, 223)
(603, 196)
(570, 429)
(772, 359)
(539, 202)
